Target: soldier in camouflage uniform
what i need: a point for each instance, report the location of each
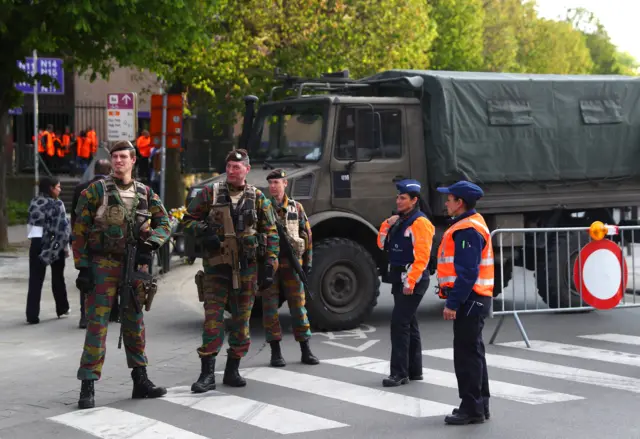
(235, 223)
(296, 225)
(111, 214)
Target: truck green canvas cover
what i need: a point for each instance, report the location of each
(500, 127)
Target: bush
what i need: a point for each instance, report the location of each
(18, 212)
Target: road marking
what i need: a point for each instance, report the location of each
(569, 350)
(110, 423)
(614, 338)
(347, 392)
(258, 414)
(363, 347)
(549, 370)
(499, 389)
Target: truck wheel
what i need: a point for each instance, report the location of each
(345, 280)
(555, 268)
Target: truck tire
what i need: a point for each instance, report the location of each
(345, 280)
(556, 268)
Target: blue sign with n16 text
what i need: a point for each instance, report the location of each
(51, 67)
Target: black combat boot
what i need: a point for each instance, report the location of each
(487, 413)
(87, 394)
(307, 355)
(207, 379)
(142, 385)
(276, 355)
(231, 375)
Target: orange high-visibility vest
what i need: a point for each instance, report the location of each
(93, 141)
(144, 146)
(50, 149)
(447, 271)
(83, 148)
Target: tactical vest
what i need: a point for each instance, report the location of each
(245, 221)
(292, 227)
(114, 225)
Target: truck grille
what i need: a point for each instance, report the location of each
(302, 187)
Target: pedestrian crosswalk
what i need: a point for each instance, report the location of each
(294, 409)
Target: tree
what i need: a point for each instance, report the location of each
(556, 48)
(459, 43)
(627, 64)
(91, 35)
(303, 38)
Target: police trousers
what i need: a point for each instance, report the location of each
(469, 362)
(406, 347)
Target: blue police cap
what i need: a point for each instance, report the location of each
(407, 185)
(463, 189)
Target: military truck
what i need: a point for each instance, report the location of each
(548, 150)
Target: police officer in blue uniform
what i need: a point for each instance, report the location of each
(407, 238)
(468, 299)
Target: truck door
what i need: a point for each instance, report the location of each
(369, 152)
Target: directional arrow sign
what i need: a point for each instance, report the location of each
(122, 120)
(364, 346)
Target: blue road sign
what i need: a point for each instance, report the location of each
(51, 67)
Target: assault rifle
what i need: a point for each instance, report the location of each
(287, 251)
(126, 291)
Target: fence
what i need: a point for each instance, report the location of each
(553, 254)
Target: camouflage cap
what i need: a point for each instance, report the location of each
(123, 145)
(238, 155)
(276, 174)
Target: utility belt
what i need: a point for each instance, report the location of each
(395, 274)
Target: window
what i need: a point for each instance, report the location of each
(364, 134)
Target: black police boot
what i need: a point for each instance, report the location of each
(83, 317)
(487, 413)
(394, 381)
(207, 379)
(87, 393)
(231, 375)
(461, 418)
(307, 355)
(276, 355)
(142, 385)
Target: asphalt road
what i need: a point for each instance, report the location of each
(579, 379)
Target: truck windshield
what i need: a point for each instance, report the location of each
(289, 133)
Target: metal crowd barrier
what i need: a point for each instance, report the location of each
(541, 284)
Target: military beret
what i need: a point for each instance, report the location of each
(123, 145)
(408, 185)
(276, 174)
(237, 155)
(463, 189)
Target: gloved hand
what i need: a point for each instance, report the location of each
(267, 277)
(84, 281)
(211, 240)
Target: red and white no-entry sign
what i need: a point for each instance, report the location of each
(600, 274)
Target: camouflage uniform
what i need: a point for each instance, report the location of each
(294, 221)
(256, 236)
(103, 228)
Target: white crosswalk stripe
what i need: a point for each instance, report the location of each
(111, 423)
(258, 414)
(550, 370)
(499, 389)
(298, 386)
(347, 392)
(583, 352)
(614, 338)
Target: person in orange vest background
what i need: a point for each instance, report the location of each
(92, 138)
(465, 279)
(143, 144)
(83, 152)
(48, 149)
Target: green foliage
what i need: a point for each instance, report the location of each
(460, 27)
(303, 38)
(17, 212)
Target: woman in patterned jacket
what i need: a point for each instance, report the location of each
(49, 231)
